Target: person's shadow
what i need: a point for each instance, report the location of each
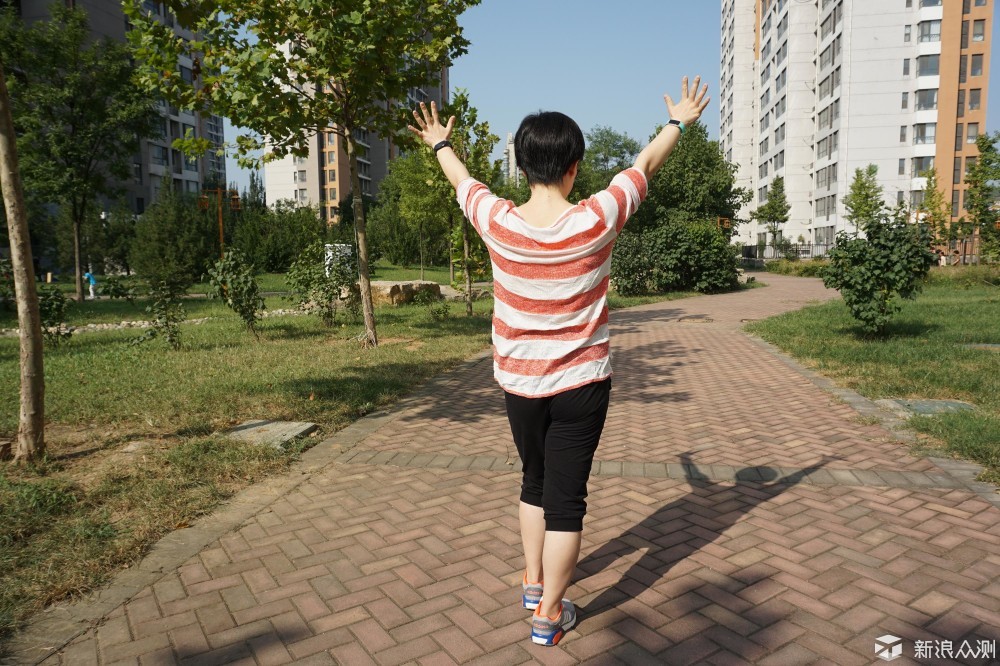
(658, 533)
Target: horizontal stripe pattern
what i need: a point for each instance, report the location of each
(550, 317)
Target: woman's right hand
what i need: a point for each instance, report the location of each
(692, 102)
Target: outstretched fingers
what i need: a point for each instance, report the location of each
(684, 87)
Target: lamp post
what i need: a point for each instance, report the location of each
(234, 205)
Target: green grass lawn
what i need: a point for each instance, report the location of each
(921, 357)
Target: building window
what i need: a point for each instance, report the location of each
(916, 198)
(956, 174)
(980, 3)
(779, 135)
(779, 161)
(930, 31)
(902, 167)
(928, 65)
(762, 171)
(973, 133)
(970, 163)
(763, 147)
(924, 133)
(977, 65)
(965, 34)
(922, 165)
(899, 196)
(926, 99)
(158, 155)
(930, 3)
(961, 103)
(963, 68)
(954, 203)
(906, 32)
(902, 133)
(906, 66)
(959, 136)
(974, 99)
(906, 100)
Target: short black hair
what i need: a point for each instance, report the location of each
(546, 145)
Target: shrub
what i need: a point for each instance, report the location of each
(6, 282)
(874, 273)
(52, 305)
(674, 256)
(317, 287)
(114, 288)
(889, 263)
(167, 314)
(174, 243)
(812, 268)
(232, 280)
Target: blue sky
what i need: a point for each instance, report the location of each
(603, 63)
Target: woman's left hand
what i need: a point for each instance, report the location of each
(431, 131)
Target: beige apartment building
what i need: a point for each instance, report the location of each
(156, 162)
(814, 89)
(323, 177)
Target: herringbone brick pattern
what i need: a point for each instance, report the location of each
(375, 563)
(404, 566)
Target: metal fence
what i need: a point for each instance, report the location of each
(786, 251)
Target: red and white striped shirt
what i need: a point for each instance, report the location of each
(550, 285)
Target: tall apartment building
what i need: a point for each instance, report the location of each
(156, 162)
(323, 177)
(814, 89)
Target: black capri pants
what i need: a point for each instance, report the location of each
(556, 438)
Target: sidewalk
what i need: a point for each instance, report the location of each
(738, 513)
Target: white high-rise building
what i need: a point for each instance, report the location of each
(814, 89)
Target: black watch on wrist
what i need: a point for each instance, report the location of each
(442, 144)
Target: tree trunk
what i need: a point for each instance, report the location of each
(420, 242)
(364, 282)
(468, 272)
(451, 253)
(31, 423)
(78, 274)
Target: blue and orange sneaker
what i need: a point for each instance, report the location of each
(549, 630)
(531, 593)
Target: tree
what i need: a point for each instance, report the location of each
(31, 422)
(981, 195)
(78, 112)
(288, 71)
(696, 180)
(934, 211)
(420, 204)
(774, 212)
(608, 153)
(175, 243)
(887, 264)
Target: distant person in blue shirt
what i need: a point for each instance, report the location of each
(93, 283)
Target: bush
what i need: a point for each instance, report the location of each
(874, 273)
(812, 268)
(114, 288)
(317, 288)
(966, 276)
(6, 282)
(675, 256)
(52, 305)
(167, 312)
(232, 280)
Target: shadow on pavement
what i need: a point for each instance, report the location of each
(669, 535)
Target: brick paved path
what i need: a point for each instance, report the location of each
(738, 514)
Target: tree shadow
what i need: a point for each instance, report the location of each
(666, 537)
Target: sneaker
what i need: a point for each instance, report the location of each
(547, 630)
(531, 593)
